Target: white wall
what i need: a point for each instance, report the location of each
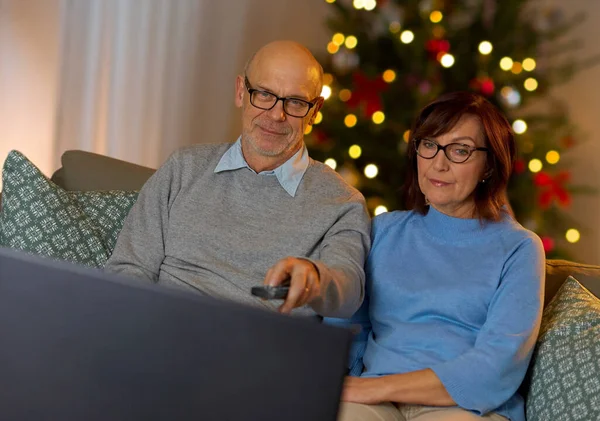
(29, 68)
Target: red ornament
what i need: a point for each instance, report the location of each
(436, 46)
(552, 188)
(367, 93)
(548, 243)
(487, 87)
(519, 166)
(484, 85)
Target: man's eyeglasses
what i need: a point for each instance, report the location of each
(265, 100)
(455, 152)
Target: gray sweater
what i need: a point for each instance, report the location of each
(219, 233)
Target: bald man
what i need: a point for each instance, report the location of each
(221, 218)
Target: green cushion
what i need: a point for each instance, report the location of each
(565, 371)
(39, 217)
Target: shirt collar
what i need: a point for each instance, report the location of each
(289, 174)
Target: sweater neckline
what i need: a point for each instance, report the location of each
(450, 228)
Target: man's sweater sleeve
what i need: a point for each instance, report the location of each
(342, 258)
(490, 373)
(140, 248)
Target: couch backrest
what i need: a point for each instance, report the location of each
(85, 171)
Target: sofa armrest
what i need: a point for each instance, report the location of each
(557, 272)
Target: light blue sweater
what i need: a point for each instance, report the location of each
(458, 297)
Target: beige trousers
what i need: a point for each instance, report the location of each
(389, 412)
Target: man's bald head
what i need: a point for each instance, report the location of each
(280, 75)
(287, 54)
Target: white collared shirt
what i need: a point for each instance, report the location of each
(289, 174)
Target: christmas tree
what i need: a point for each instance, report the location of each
(388, 58)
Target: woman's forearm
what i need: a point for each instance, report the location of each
(421, 387)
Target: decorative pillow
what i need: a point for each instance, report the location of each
(565, 371)
(107, 210)
(40, 217)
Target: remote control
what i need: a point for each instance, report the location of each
(271, 293)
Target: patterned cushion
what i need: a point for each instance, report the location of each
(565, 371)
(107, 210)
(39, 217)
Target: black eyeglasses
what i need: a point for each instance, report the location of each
(266, 100)
(455, 152)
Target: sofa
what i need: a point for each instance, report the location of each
(571, 317)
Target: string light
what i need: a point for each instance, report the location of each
(331, 163)
(345, 95)
(326, 92)
(529, 64)
(379, 210)
(406, 136)
(535, 165)
(318, 118)
(394, 27)
(519, 126)
(407, 36)
(506, 63)
(572, 235)
(485, 47)
(350, 120)
(355, 151)
(511, 96)
(332, 48)
(517, 68)
(530, 84)
(552, 157)
(369, 5)
(389, 76)
(338, 39)
(358, 4)
(327, 79)
(330, 1)
(371, 171)
(308, 129)
(447, 60)
(436, 16)
(378, 117)
(351, 42)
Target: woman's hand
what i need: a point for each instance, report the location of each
(420, 387)
(364, 390)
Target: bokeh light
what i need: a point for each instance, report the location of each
(380, 209)
(407, 37)
(350, 120)
(355, 151)
(535, 165)
(371, 171)
(572, 235)
(485, 47)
